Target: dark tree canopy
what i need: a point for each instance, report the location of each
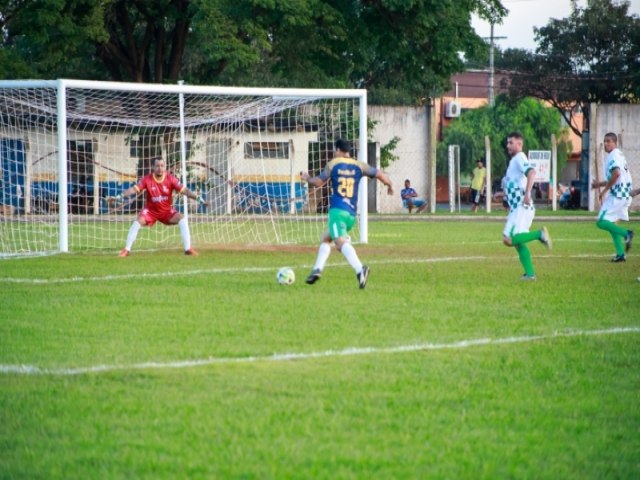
(593, 56)
(400, 50)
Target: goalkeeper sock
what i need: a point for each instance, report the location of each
(525, 259)
(617, 234)
(323, 255)
(185, 234)
(522, 238)
(132, 235)
(352, 257)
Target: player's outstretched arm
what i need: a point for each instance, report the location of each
(192, 195)
(122, 197)
(384, 178)
(314, 181)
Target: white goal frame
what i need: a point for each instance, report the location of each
(62, 85)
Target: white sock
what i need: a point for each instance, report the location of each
(352, 257)
(132, 235)
(184, 233)
(324, 250)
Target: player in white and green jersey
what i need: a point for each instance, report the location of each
(343, 173)
(615, 206)
(519, 182)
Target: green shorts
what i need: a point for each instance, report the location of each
(340, 222)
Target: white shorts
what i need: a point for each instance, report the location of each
(614, 209)
(519, 220)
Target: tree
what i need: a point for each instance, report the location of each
(528, 116)
(404, 51)
(400, 50)
(593, 56)
(267, 43)
(134, 40)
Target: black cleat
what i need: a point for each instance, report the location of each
(618, 259)
(314, 276)
(362, 276)
(628, 239)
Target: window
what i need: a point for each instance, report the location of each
(266, 150)
(134, 149)
(175, 149)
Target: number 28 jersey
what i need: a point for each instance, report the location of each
(344, 176)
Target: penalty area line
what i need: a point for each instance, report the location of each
(214, 271)
(281, 357)
(209, 271)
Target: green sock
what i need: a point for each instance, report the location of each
(525, 259)
(617, 234)
(522, 238)
(617, 243)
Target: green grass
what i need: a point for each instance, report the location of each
(563, 405)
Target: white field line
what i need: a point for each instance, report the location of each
(206, 271)
(210, 271)
(280, 357)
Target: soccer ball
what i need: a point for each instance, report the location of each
(286, 276)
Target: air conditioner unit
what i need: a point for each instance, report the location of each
(452, 109)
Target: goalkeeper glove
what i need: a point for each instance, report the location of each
(200, 200)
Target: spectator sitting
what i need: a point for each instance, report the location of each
(410, 198)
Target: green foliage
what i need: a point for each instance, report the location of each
(593, 56)
(386, 152)
(401, 51)
(528, 116)
(409, 50)
(51, 39)
(523, 401)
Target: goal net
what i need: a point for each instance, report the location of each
(68, 146)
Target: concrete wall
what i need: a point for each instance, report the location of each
(410, 125)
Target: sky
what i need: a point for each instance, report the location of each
(523, 15)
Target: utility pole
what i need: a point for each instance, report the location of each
(491, 68)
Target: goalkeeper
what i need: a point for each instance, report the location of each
(159, 186)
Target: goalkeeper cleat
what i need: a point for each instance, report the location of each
(528, 278)
(628, 239)
(124, 253)
(363, 276)
(191, 252)
(545, 238)
(618, 259)
(314, 276)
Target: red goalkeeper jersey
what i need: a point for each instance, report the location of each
(159, 193)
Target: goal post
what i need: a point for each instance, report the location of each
(69, 146)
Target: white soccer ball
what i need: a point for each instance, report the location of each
(286, 276)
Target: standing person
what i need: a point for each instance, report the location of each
(410, 198)
(159, 186)
(520, 178)
(344, 175)
(478, 181)
(616, 205)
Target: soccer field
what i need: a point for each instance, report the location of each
(447, 365)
